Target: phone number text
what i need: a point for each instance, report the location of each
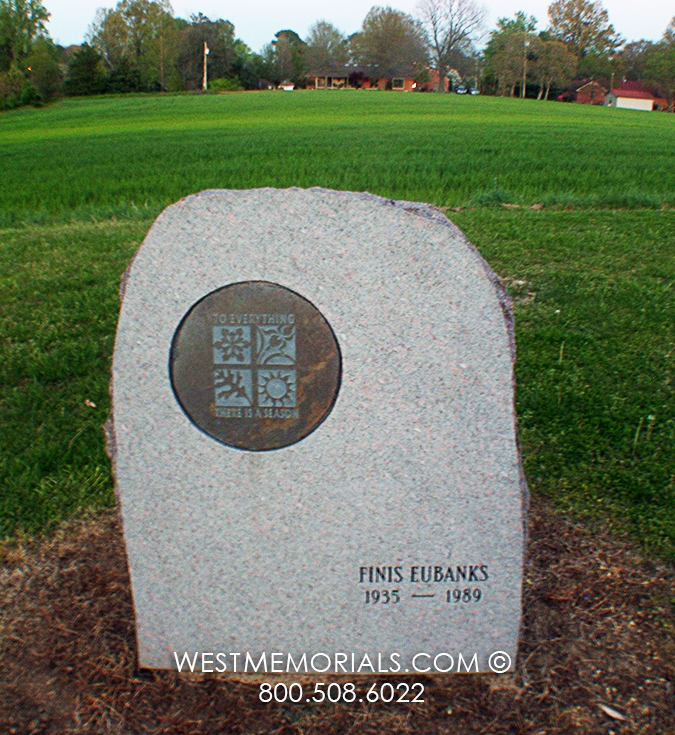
(334, 692)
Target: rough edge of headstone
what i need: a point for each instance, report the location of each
(420, 209)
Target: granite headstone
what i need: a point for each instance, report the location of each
(313, 435)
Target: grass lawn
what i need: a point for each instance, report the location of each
(131, 156)
(592, 273)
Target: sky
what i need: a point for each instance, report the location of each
(257, 21)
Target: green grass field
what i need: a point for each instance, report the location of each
(592, 273)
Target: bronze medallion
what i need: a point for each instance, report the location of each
(255, 366)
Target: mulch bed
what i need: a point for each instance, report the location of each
(597, 651)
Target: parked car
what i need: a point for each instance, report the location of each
(461, 90)
(474, 91)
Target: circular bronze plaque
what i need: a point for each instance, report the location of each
(255, 365)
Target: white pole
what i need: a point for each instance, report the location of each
(525, 47)
(205, 81)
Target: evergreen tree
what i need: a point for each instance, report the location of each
(85, 73)
(125, 77)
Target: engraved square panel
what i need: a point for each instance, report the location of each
(275, 345)
(231, 345)
(233, 387)
(277, 388)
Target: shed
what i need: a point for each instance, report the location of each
(630, 99)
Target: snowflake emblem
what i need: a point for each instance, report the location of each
(232, 345)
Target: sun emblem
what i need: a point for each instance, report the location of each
(276, 388)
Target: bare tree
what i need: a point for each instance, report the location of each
(452, 26)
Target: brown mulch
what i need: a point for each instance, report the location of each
(598, 631)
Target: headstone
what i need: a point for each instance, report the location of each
(314, 439)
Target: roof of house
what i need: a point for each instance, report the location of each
(591, 84)
(630, 84)
(347, 71)
(635, 94)
(336, 71)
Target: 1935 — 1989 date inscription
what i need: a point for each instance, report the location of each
(391, 584)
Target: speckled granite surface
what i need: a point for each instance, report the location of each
(415, 470)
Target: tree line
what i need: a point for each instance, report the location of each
(140, 46)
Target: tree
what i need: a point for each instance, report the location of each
(634, 55)
(659, 65)
(124, 78)
(247, 65)
(290, 53)
(220, 40)
(584, 26)
(509, 49)
(282, 52)
(595, 65)
(21, 22)
(284, 58)
(326, 49)
(390, 44)
(12, 83)
(451, 26)
(141, 35)
(108, 34)
(44, 70)
(554, 65)
(85, 72)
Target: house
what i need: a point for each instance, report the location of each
(397, 84)
(432, 84)
(337, 78)
(591, 93)
(352, 77)
(633, 96)
(584, 91)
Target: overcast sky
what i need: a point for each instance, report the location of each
(257, 21)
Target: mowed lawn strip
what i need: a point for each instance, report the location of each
(130, 157)
(595, 316)
(595, 326)
(58, 312)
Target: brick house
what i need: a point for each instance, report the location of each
(352, 77)
(591, 93)
(337, 78)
